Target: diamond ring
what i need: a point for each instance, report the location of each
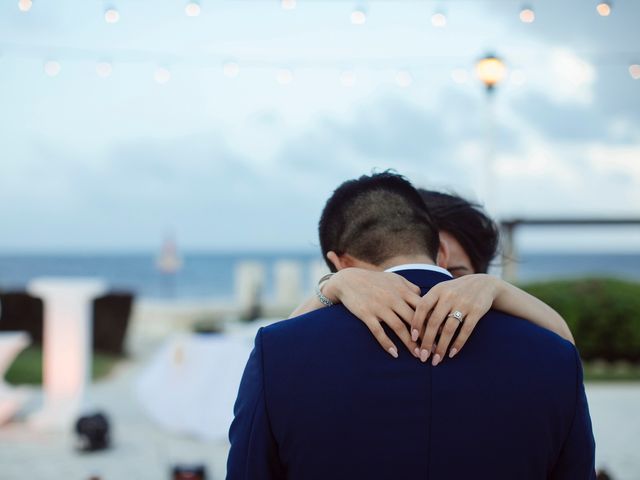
(457, 314)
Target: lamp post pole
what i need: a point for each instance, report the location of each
(491, 71)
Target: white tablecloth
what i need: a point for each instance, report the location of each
(190, 386)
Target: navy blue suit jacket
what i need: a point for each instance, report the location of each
(320, 399)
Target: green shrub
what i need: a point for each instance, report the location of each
(603, 314)
(27, 368)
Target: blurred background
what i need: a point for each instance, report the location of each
(180, 154)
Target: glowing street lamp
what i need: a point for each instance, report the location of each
(491, 71)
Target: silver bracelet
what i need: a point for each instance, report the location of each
(324, 300)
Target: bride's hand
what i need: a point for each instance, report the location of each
(471, 295)
(376, 298)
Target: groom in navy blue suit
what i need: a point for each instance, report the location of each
(320, 400)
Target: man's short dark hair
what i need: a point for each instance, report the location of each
(376, 218)
(468, 223)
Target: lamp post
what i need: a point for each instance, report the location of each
(491, 70)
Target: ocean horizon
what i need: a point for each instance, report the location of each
(210, 275)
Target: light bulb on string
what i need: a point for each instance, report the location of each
(231, 69)
(111, 15)
(52, 68)
(358, 15)
(439, 20)
(162, 75)
(288, 4)
(634, 71)
(527, 15)
(104, 69)
(25, 5)
(284, 76)
(348, 78)
(404, 78)
(192, 9)
(604, 9)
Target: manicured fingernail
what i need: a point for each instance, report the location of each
(453, 352)
(416, 352)
(424, 355)
(436, 360)
(393, 352)
(415, 334)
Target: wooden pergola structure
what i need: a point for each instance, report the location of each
(509, 226)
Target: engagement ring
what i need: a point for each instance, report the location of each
(457, 314)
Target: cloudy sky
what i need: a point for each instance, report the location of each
(246, 162)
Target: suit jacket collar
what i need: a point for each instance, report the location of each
(425, 279)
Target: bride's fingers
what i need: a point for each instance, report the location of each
(404, 311)
(399, 328)
(374, 326)
(468, 326)
(412, 300)
(434, 322)
(448, 331)
(424, 306)
(412, 287)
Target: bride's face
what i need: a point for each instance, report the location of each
(454, 258)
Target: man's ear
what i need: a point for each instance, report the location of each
(443, 254)
(335, 259)
(340, 262)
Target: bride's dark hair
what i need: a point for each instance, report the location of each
(469, 224)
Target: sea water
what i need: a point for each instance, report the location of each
(210, 276)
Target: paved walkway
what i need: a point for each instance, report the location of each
(142, 451)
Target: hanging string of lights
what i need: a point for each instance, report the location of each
(358, 15)
(403, 77)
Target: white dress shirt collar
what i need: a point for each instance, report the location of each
(419, 266)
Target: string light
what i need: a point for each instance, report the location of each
(192, 9)
(111, 15)
(284, 76)
(634, 71)
(104, 69)
(288, 4)
(231, 69)
(604, 9)
(348, 78)
(403, 78)
(25, 5)
(358, 16)
(439, 20)
(460, 75)
(527, 15)
(52, 68)
(162, 75)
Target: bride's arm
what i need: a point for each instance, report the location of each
(378, 297)
(473, 296)
(309, 305)
(375, 298)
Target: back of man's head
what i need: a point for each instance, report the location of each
(375, 218)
